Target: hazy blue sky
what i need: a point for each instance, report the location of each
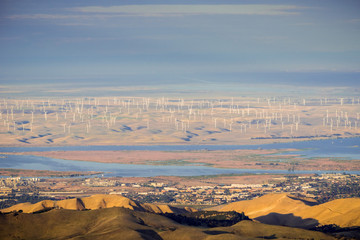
(172, 41)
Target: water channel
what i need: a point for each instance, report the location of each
(335, 148)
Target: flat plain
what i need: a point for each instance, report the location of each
(165, 121)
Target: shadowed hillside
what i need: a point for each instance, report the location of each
(288, 210)
(342, 212)
(117, 217)
(121, 223)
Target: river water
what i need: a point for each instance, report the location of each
(335, 148)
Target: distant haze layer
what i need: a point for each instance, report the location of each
(214, 85)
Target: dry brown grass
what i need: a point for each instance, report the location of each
(284, 209)
(98, 201)
(120, 223)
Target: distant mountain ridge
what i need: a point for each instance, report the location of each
(96, 202)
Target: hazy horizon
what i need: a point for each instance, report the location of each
(141, 43)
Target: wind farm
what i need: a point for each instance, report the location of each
(166, 120)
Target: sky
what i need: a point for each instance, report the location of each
(149, 42)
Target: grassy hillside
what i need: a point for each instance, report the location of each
(279, 203)
(342, 212)
(117, 217)
(121, 223)
(95, 202)
(288, 210)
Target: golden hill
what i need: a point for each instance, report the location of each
(288, 210)
(342, 212)
(280, 203)
(121, 223)
(95, 202)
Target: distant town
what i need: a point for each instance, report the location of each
(323, 188)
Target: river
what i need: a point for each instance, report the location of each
(337, 148)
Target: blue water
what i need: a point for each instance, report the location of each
(127, 170)
(339, 148)
(344, 148)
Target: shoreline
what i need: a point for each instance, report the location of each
(13, 172)
(247, 142)
(256, 159)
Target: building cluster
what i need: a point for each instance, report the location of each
(323, 187)
(15, 183)
(101, 182)
(17, 186)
